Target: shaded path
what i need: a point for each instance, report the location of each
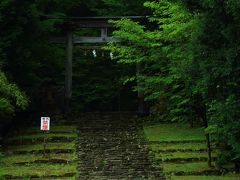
(113, 147)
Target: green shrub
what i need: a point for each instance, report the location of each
(12, 98)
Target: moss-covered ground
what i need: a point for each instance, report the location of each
(169, 147)
(41, 136)
(184, 156)
(31, 158)
(39, 147)
(225, 177)
(25, 160)
(173, 132)
(39, 170)
(181, 152)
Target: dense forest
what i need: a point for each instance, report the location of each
(188, 50)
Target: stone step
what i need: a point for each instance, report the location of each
(113, 148)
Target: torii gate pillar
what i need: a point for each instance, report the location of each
(68, 73)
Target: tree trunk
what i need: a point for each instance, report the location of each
(209, 150)
(237, 166)
(191, 123)
(141, 102)
(68, 74)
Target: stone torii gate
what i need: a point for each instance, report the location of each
(103, 25)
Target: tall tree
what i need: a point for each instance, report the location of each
(191, 60)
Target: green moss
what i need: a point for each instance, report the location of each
(36, 147)
(42, 135)
(173, 132)
(53, 129)
(178, 146)
(167, 144)
(38, 170)
(181, 155)
(236, 177)
(11, 159)
(186, 167)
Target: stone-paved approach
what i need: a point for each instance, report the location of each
(112, 147)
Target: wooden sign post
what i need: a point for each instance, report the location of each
(45, 127)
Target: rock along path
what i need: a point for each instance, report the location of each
(112, 146)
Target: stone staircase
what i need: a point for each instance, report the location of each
(112, 146)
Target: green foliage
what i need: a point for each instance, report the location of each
(224, 117)
(12, 98)
(167, 54)
(190, 64)
(36, 64)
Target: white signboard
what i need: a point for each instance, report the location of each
(45, 123)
